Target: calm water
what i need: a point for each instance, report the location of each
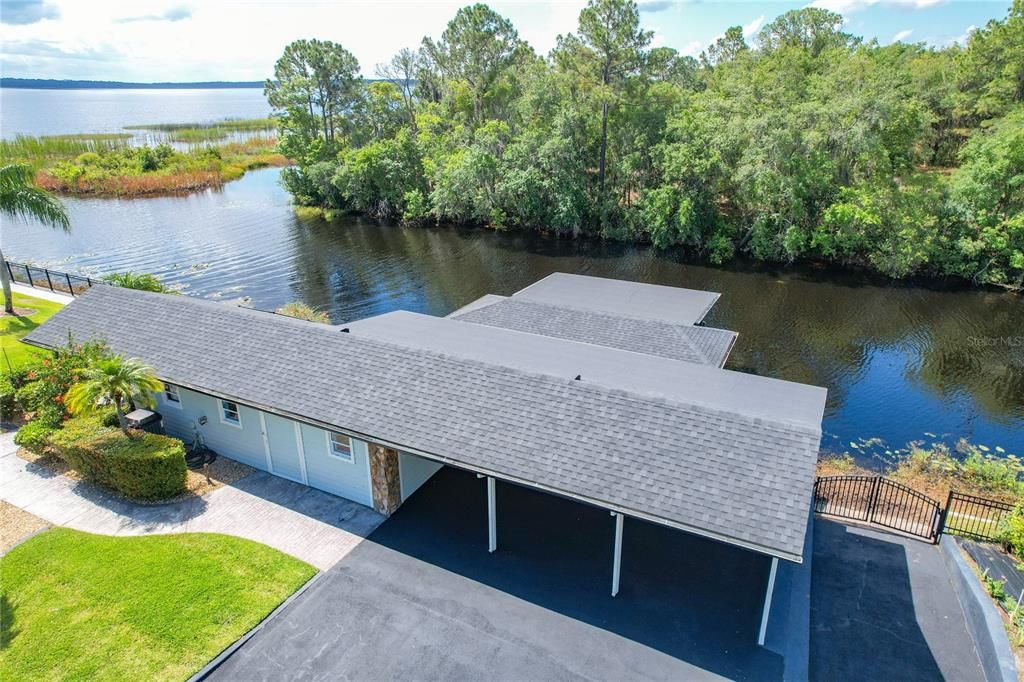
(899, 361)
(60, 112)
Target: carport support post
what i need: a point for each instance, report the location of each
(492, 516)
(767, 602)
(617, 559)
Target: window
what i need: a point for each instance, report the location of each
(171, 395)
(229, 413)
(339, 445)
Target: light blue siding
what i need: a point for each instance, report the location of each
(284, 448)
(350, 480)
(327, 472)
(414, 471)
(244, 443)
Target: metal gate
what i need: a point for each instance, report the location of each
(878, 500)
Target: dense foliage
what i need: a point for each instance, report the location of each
(806, 143)
(139, 465)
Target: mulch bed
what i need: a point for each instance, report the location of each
(222, 471)
(16, 524)
(19, 312)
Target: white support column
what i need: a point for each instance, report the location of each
(492, 516)
(617, 559)
(767, 602)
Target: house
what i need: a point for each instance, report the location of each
(603, 391)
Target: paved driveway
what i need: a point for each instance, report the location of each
(423, 599)
(883, 608)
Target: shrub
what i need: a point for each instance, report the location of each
(34, 436)
(1011, 532)
(8, 401)
(141, 281)
(141, 465)
(304, 312)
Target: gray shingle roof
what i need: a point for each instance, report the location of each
(620, 297)
(703, 345)
(737, 478)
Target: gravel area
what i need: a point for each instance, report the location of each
(16, 524)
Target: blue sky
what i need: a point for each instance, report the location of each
(160, 40)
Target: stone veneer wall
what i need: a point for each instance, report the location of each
(385, 481)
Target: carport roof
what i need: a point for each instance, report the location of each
(736, 477)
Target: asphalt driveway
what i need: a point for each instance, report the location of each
(423, 599)
(883, 608)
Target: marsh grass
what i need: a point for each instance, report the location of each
(160, 170)
(208, 132)
(39, 150)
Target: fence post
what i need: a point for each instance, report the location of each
(48, 280)
(71, 289)
(29, 273)
(874, 498)
(9, 271)
(942, 517)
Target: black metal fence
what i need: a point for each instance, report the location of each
(975, 517)
(44, 278)
(884, 502)
(878, 500)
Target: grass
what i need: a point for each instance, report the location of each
(82, 606)
(208, 132)
(13, 328)
(38, 151)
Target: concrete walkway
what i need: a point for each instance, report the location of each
(44, 294)
(309, 524)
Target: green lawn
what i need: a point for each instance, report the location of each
(13, 328)
(81, 606)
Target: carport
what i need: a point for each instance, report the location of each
(721, 455)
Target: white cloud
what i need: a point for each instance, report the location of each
(751, 29)
(851, 6)
(902, 35)
(694, 48)
(22, 12)
(232, 40)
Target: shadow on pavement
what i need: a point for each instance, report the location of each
(694, 599)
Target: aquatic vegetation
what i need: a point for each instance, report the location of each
(38, 150)
(208, 132)
(138, 171)
(936, 469)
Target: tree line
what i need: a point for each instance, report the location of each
(804, 142)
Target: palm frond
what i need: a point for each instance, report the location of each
(20, 198)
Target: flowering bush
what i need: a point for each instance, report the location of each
(41, 386)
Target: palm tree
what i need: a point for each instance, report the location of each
(114, 379)
(20, 198)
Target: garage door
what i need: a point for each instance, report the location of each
(283, 446)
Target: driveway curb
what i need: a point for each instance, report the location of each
(207, 669)
(984, 623)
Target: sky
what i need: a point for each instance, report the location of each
(159, 40)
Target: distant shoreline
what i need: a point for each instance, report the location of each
(51, 84)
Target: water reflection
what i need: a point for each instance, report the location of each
(899, 360)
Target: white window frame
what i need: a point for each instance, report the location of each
(351, 457)
(223, 409)
(168, 390)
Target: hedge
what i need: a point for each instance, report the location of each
(143, 466)
(34, 436)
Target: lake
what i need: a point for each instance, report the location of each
(62, 112)
(901, 361)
